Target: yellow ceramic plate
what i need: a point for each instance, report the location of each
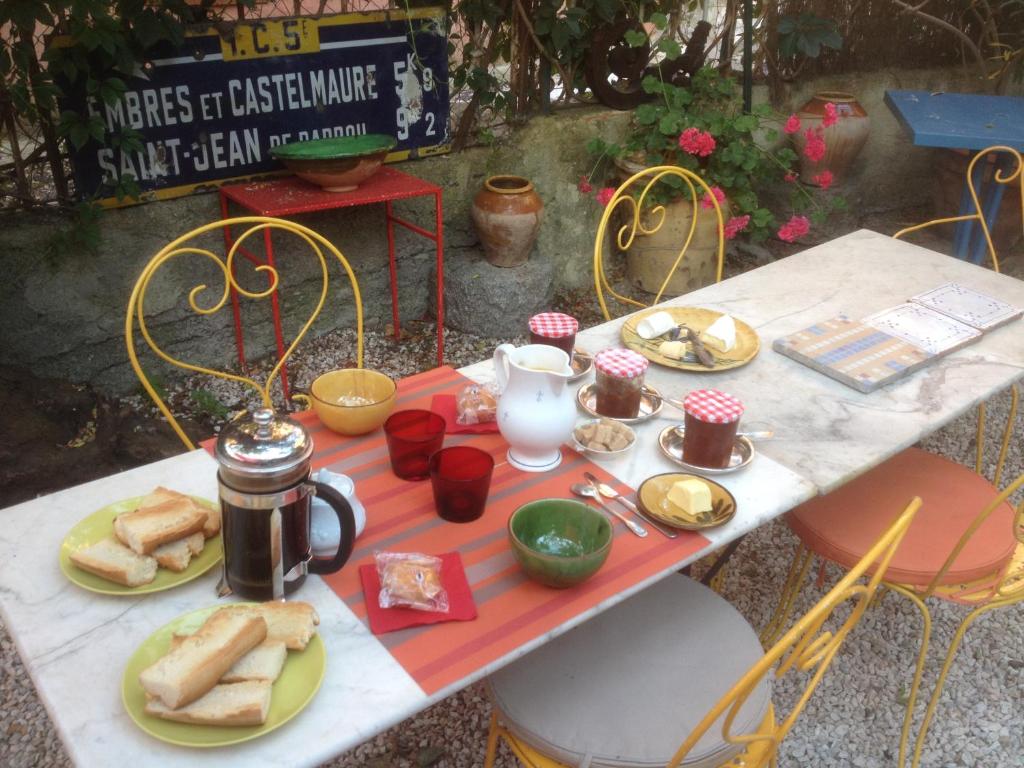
(697, 318)
(653, 497)
(299, 681)
(100, 525)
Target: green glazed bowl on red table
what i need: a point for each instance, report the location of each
(338, 164)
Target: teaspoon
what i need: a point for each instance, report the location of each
(591, 493)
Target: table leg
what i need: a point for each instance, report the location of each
(439, 241)
(392, 269)
(276, 309)
(721, 561)
(964, 232)
(236, 310)
(990, 209)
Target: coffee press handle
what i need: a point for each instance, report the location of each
(324, 565)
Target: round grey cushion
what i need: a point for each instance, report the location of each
(627, 687)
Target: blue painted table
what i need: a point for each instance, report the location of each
(963, 121)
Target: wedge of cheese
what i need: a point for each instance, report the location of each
(691, 495)
(720, 335)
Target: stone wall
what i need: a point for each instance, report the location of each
(68, 321)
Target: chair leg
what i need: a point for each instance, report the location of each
(492, 740)
(791, 588)
(937, 693)
(915, 686)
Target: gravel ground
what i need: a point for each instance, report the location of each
(853, 720)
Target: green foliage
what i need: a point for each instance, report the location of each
(208, 404)
(805, 35)
(740, 164)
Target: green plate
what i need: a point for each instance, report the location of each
(100, 525)
(299, 681)
(336, 148)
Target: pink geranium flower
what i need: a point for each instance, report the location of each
(707, 203)
(792, 125)
(697, 142)
(584, 185)
(815, 146)
(830, 118)
(823, 179)
(735, 225)
(795, 228)
(790, 177)
(605, 195)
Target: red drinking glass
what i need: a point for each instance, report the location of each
(461, 477)
(413, 437)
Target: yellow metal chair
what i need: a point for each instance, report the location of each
(635, 215)
(620, 689)
(966, 546)
(183, 246)
(1015, 173)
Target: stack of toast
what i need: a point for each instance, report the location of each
(167, 530)
(223, 673)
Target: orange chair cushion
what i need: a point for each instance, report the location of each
(843, 525)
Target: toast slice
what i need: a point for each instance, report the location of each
(111, 560)
(197, 664)
(244, 703)
(159, 495)
(176, 555)
(293, 624)
(146, 529)
(264, 662)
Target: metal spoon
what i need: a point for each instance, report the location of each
(591, 493)
(610, 493)
(765, 434)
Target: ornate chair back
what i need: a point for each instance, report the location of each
(637, 211)
(1011, 173)
(806, 647)
(184, 246)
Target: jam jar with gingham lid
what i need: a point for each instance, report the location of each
(619, 381)
(712, 418)
(555, 329)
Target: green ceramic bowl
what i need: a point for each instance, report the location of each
(337, 164)
(559, 542)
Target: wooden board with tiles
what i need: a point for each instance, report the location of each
(858, 355)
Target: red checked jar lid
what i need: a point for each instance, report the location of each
(620, 363)
(554, 325)
(712, 406)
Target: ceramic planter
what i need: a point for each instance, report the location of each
(651, 256)
(843, 140)
(507, 213)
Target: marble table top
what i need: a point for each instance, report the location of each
(74, 643)
(826, 432)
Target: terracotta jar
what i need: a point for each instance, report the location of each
(650, 257)
(507, 213)
(843, 140)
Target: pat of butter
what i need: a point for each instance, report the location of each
(690, 495)
(721, 334)
(673, 349)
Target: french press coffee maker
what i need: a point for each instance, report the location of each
(265, 495)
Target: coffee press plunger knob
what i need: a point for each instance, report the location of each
(264, 417)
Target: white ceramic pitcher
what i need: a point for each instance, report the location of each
(536, 412)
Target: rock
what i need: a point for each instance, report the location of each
(494, 301)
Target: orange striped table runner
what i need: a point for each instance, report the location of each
(512, 609)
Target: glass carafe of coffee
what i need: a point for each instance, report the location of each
(265, 494)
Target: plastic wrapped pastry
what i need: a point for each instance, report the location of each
(476, 404)
(410, 580)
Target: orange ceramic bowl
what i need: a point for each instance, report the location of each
(353, 401)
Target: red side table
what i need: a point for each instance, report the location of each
(290, 195)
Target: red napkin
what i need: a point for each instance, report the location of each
(444, 405)
(460, 599)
